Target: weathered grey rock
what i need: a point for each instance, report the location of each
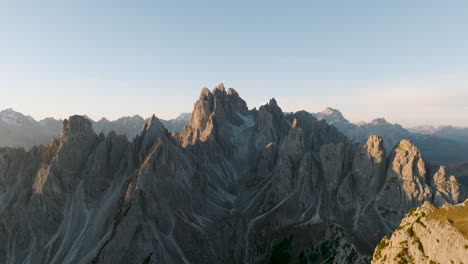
(406, 184)
(410, 182)
(448, 190)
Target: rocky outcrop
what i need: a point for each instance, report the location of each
(428, 235)
(235, 185)
(410, 181)
(213, 109)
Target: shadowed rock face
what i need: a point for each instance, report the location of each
(235, 186)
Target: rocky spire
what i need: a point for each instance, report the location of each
(406, 185)
(269, 115)
(212, 109)
(151, 131)
(76, 142)
(368, 168)
(75, 126)
(448, 190)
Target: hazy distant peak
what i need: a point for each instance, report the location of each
(183, 117)
(8, 110)
(104, 120)
(379, 121)
(424, 129)
(12, 117)
(331, 115)
(48, 119)
(331, 111)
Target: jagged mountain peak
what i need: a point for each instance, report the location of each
(375, 139)
(405, 157)
(375, 143)
(213, 109)
(407, 146)
(205, 92)
(152, 130)
(75, 125)
(220, 87)
(154, 125)
(219, 101)
(271, 117)
(103, 120)
(272, 106)
(410, 181)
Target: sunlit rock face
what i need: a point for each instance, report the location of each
(234, 185)
(428, 234)
(410, 181)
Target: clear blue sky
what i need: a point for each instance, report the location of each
(404, 60)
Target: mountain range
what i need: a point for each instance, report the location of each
(448, 132)
(438, 147)
(19, 130)
(444, 145)
(234, 185)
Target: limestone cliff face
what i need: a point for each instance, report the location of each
(410, 181)
(428, 234)
(218, 106)
(75, 144)
(230, 187)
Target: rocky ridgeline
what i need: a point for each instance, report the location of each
(428, 234)
(234, 186)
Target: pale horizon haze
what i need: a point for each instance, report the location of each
(406, 61)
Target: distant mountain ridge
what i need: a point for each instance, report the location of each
(19, 130)
(436, 148)
(444, 145)
(447, 132)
